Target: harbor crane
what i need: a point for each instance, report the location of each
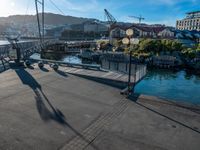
(140, 18)
(111, 21)
(110, 18)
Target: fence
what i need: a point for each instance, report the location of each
(27, 48)
(120, 63)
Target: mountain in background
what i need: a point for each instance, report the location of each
(50, 19)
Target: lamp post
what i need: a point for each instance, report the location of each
(127, 41)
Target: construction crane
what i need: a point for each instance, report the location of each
(110, 18)
(140, 18)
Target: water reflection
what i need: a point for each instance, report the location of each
(161, 75)
(179, 86)
(72, 59)
(51, 56)
(65, 58)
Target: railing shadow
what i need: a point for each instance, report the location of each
(134, 98)
(45, 113)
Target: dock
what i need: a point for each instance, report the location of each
(43, 109)
(116, 79)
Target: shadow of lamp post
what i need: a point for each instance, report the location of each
(128, 41)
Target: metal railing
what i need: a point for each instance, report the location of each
(27, 48)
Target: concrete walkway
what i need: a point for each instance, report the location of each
(47, 110)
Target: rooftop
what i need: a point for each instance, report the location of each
(193, 12)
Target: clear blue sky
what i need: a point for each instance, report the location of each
(155, 11)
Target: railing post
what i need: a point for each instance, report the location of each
(135, 76)
(129, 73)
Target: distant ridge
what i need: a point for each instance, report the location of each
(50, 19)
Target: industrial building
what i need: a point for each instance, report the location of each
(191, 22)
(142, 31)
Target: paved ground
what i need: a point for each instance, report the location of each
(47, 110)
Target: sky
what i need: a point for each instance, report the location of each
(154, 11)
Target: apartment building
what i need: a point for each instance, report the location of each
(191, 22)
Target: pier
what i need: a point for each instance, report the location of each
(45, 109)
(80, 106)
(116, 79)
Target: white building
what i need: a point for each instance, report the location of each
(191, 22)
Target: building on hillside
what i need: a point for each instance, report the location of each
(191, 22)
(92, 26)
(77, 27)
(57, 31)
(72, 35)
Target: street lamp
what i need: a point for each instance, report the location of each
(127, 41)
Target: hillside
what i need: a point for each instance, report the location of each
(50, 19)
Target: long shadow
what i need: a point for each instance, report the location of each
(45, 113)
(61, 73)
(191, 108)
(195, 110)
(134, 98)
(112, 83)
(44, 69)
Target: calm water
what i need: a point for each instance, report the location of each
(178, 86)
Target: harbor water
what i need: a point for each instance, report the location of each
(177, 86)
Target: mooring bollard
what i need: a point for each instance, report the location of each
(54, 66)
(40, 64)
(27, 63)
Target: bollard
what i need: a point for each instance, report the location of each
(40, 64)
(54, 66)
(27, 63)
